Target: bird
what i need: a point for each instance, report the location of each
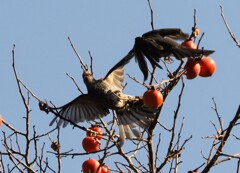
(102, 96)
(156, 44)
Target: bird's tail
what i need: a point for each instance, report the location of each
(131, 120)
(182, 52)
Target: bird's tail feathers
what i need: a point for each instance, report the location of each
(207, 52)
(130, 121)
(182, 52)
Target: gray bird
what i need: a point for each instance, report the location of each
(104, 95)
(156, 44)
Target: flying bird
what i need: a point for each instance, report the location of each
(156, 44)
(104, 95)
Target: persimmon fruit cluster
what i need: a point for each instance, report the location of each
(93, 166)
(91, 143)
(203, 66)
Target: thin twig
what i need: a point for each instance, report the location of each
(137, 81)
(218, 116)
(58, 150)
(152, 75)
(199, 41)
(238, 166)
(152, 15)
(75, 83)
(228, 157)
(228, 28)
(91, 64)
(173, 130)
(25, 102)
(223, 142)
(84, 66)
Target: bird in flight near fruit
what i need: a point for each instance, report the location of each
(156, 44)
(104, 95)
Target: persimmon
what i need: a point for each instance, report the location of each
(98, 130)
(1, 120)
(192, 68)
(105, 169)
(208, 67)
(190, 44)
(91, 144)
(153, 98)
(91, 166)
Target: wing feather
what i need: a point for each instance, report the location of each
(129, 120)
(115, 79)
(83, 108)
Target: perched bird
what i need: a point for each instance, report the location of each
(156, 44)
(103, 95)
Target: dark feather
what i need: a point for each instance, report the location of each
(156, 44)
(139, 57)
(130, 120)
(174, 33)
(125, 60)
(83, 108)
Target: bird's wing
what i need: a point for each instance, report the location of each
(130, 120)
(146, 48)
(174, 33)
(180, 51)
(83, 108)
(142, 63)
(115, 79)
(141, 49)
(122, 62)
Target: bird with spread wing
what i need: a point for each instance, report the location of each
(104, 95)
(156, 44)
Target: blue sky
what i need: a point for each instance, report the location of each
(106, 28)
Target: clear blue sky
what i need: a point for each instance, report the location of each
(106, 28)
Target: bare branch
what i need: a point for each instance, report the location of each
(228, 28)
(223, 142)
(91, 64)
(84, 66)
(152, 15)
(75, 83)
(227, 158)
(238, 166)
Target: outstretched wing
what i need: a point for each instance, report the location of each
(130, 120)
(122, 62)
(83, 108)
(174, 33)
(115, 79)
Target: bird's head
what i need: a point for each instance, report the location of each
(87, 77)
